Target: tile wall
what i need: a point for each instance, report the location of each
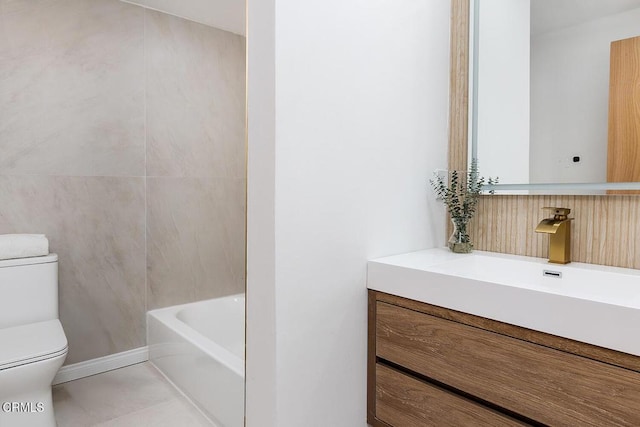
(122, 139)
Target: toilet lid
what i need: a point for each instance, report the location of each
(31, 343)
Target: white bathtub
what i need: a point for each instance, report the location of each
(200, 348)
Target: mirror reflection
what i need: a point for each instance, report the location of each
(557, 90)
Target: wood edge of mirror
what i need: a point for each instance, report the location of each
(459, 85)
(458, 90)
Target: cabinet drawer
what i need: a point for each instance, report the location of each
(403, 401)
(542, 384)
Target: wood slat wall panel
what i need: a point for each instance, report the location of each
(606, 229)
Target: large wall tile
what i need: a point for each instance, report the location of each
(72, 88)
(74, 75)
(96, 225)
(195, 99)
(4, 47)
(12, 6)
(195, 239)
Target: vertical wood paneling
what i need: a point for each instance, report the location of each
(459, 85)
(458, 89)
(606, 229)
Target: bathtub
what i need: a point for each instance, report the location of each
(200, 348)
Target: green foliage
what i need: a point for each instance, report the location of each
(461, 196)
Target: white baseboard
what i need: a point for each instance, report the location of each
(101, 364)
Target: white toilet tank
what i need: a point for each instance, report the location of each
(28, 290)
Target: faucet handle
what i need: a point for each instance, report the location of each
(558, 213)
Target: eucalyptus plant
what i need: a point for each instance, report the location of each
(461, 195)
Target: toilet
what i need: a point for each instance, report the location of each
(33, 345)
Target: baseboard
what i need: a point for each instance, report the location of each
(101, 364)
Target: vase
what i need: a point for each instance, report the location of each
(459, 242)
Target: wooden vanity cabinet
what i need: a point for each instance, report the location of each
(430, 366)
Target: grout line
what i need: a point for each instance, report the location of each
(53, 175)
(146, 216)
(152, 408)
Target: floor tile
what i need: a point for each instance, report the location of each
(169, 414)
(137, 395)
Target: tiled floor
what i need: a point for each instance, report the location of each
(137, 396)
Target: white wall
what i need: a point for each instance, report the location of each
(360, 97)
(570, 98)
(503, 90)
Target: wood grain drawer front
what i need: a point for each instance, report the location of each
(542, 384)
(403, 401)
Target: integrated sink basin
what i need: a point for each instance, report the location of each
(595, 304)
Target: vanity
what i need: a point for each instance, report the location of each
(489, 339)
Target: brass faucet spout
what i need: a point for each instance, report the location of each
(549, 226)
(559, 230)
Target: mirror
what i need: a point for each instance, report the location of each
(552, 106)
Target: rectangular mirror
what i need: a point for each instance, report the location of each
(555, 95)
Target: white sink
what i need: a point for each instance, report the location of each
(590, 303)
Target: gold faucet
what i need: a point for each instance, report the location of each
(559, 230)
